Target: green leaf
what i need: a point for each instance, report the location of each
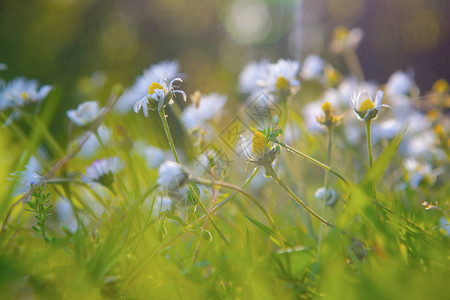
(265, 229)
(381, 164)
(193, 193)
(175, 218)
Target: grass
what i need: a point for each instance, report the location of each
(125, 247)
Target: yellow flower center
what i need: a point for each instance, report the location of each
(366, 105)
(153, 87)
(326, 107)
(282, 84)
(259, 142)
(24, 95)
(440, 86)
(340, 33)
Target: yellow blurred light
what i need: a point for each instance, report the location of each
(421, 32)
(119, 42)
(440, 86)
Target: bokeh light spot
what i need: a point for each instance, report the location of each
(421, 32)
(248, 21)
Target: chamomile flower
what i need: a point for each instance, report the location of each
(345, 39)
(386, 129)
(251, 75)
(65, 214)
(162, 204)
(445, 225)
(331, 195)
(312, 67)
(208, 107)
(22, 92)
(399, 83)
(30, 176)
(92, 144)
(85, 114)
(365, 108)
(103, 170)
(282, 76)
(154, 156)
(262, 154)
(328, 118)
(420, 172)
(171, 175)
(159, 95)
(164, 69)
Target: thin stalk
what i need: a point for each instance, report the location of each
(315, 161)
(325, 184)
(162, 115)
(228, 199)
(369, 150)
(256, 202)
(353, 64)
(48, 136)
(272, 173)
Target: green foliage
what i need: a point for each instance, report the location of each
(39, 205)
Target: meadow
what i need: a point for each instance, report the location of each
(311, 181)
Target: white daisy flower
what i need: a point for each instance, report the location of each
(85, 114)
(420, 172)
(154, 156)
(263, 154)
(65, 214)
(349, 85)
(102, 171)
(171, 175)
(281, 76)
(363, 105)
(445, 225)
(253, 73)
(312, 67)
(30, 176)
(386, 129)
(208, 107)
(159, 95)
(344, 39)
(162, 204)
(21, 92)
(92, 145)
(399, 83)
(331, 195)
(164, 69)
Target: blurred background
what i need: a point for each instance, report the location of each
(75, 44)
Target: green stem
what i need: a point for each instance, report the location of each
(325, 183)
(271, 172)
(369, 143)
(315, 161)
(369, 150)
(162, 115)
(256, 202)
(228, 199)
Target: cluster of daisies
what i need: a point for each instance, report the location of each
(425, 141)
